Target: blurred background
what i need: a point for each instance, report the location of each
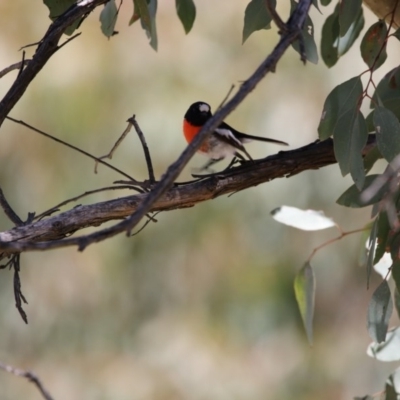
(199, 305)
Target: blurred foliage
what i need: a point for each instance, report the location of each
(201, 303)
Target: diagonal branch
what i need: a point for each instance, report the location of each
(146, 203)
(47, 233)
(47, 47)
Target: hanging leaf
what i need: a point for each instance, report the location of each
(307, 220)
(348, 13)
(341, 102)
(256, 17)
(330, 34)
(57, 8)
(390, 389)
(333, 45)
(371, 157)
(382, 235)
(186, 11)
(304, 289)
(352, 196)
(379, 311)
(388, 92)
(136, 14)
(349, 138)
(387, 133)
(373, 45)
(108, 18)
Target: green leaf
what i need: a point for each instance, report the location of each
(330, 34)
(395, 269)
(371, 249)
(371, 158)
(388, 92)
(57, 8)
(256, 17)
(387, 133)
(348, 13)
(108, 18)
(186, 11)
(136, 14)
(379, 311)
(349, 138)
(315, 4)
(382, 235)
(342, 101)
(390, 391)
(325, 2)
(397, 302)
(152, 32)
(304, 289)
(333, 45)
(146, 10)
(308, 38)
(352, 196)
(345, 42)
(373, 45)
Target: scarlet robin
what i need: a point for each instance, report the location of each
(225, 141)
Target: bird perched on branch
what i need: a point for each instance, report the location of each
(225, 141)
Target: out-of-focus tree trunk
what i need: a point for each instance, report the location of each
(383, 9)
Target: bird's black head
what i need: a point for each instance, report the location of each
(198, 113)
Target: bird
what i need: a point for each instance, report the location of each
(225, 141)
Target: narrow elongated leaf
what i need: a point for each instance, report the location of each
(352, 196)
(371, 157)
(397, 34)
(108, 18)
(186, 11)
(256, 17)
(387, 133)
(390, 390)
(382, 235)
(330, 34)
(333, 45)
(348, 13)
(397, 301)
(396, 273)
(342, 102)
(304, 289)
(57, 8)
(349, 138)
(142, 10)
(388, 92)
(135, 15)
(307, 220)
(373, 45)
(379, 311)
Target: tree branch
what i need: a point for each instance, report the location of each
(47, 233)
(47, 47)
(146, 202)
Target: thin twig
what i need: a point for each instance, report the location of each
(275, 17)
(11, 214)
(226, 97)
(294, 26)
(116, 145)
(20, 122)
(132, 120)
(12, 67)
(69, 40)
(28, 375)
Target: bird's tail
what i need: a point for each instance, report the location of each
(244, 137)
